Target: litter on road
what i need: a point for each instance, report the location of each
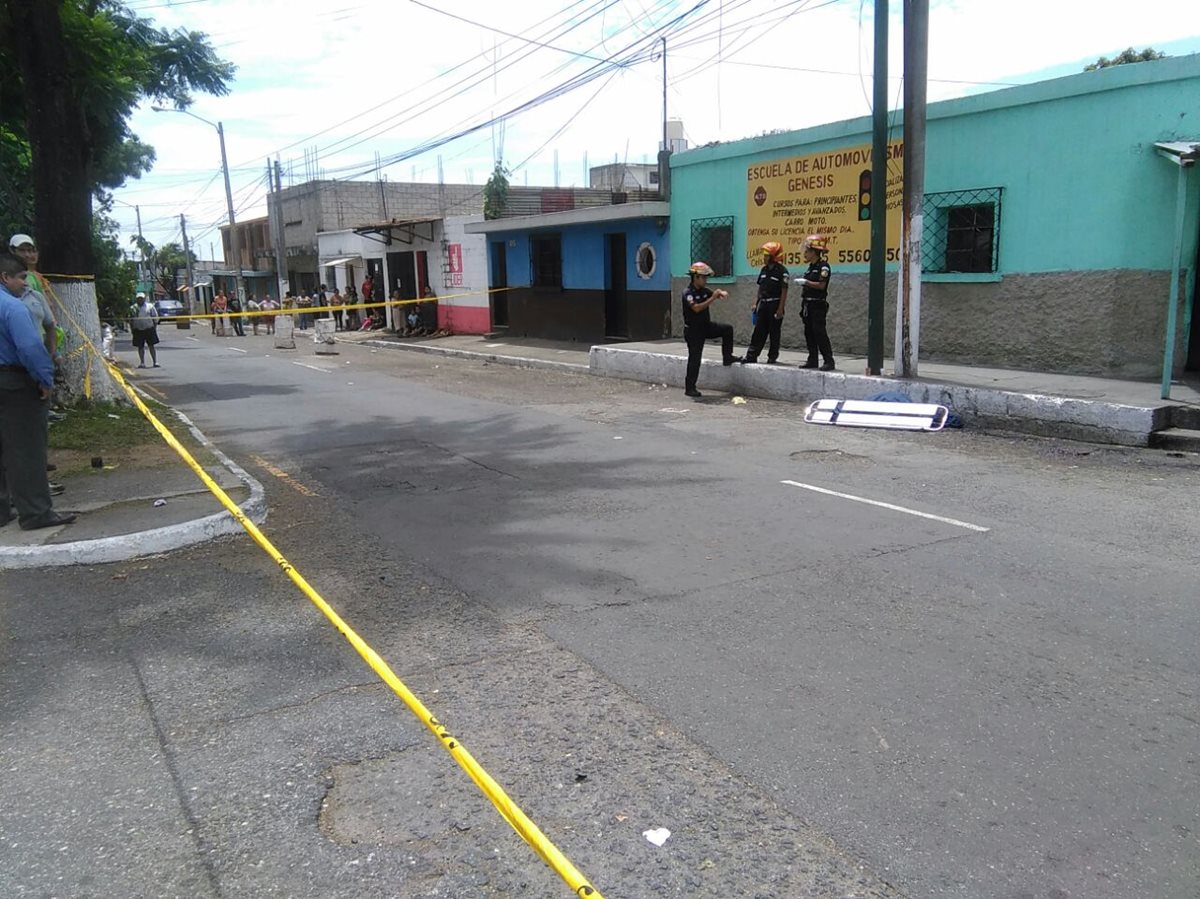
(867, 414)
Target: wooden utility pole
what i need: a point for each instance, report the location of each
(916, 67)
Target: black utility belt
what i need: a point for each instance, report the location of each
(769, 299)
(20, 368)
(814, 299)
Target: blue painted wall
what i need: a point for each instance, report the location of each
(585, 259)
(1083, 187)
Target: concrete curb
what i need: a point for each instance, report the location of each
(146, 543)
(1048, 416)
(499, 359)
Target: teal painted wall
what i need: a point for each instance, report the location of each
(1084, 189)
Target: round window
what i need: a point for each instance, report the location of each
(647, 261)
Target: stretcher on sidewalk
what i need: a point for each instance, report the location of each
(868, 414)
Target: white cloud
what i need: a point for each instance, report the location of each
(304, 68)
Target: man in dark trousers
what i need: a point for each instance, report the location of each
(698, 325)
(814, 305)
(26, 381)
(768, 308)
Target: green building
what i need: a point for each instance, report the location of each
(1049, 229)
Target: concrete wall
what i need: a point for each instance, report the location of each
(1070, 322)
(1085, 199)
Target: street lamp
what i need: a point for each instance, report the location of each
(235, 242)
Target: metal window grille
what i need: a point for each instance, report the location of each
(545, 254)
(962, 231)
(712, 242)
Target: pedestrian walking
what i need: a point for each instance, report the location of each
(235, 316)
(699, 327)
(220, 311)
(768, 309)
(337, 301)
(144, 325)
(814, 303)
(269, 307)
(253, 306)
(26, 383)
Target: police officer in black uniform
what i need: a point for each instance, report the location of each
(698, 325)
(814, 305)
(768, 308)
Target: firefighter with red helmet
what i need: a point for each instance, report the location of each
(769, 307)
(698, 325)
(814, 303)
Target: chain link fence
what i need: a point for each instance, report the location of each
(712, 242)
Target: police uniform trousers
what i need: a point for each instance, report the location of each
(23, 438)
(766, 325)
(815, 334)
(695, 336)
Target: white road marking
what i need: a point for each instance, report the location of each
(197, 339)
(894, 508)
(236, 350)
(323, 371)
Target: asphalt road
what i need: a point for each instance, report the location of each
(996, 698)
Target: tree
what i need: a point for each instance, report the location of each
(495, 192)
(75, 70)
(165, 264)
(1125, 57)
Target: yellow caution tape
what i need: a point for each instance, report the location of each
(509, 810)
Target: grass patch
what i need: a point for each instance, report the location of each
(103, 428)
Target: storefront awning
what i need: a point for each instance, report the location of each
(332, 262)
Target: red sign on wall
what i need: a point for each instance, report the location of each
(454, 258)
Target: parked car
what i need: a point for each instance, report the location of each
(169, 309)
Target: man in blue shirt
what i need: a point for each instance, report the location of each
(26, 381)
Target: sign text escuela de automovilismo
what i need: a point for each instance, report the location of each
(826, 193)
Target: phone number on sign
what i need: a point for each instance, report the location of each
(893, 255)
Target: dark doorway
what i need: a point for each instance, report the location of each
(616, 312)
(402, 273)
(499, 282)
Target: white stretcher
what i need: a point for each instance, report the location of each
(867, 414)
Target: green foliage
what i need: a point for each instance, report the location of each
(116, 274)
(495, 193)
(117, 61)
(1125, 57)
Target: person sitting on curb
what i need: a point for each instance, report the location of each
(699, 327)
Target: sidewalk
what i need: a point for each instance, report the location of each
(1100, 410)
(118, 518)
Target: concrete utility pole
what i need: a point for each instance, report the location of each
(141, 252)
(879, 147)
(664, 155)
(235, 241)
(916, 69)
(275, 207)
(187, 255)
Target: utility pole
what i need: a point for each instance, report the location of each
(879, 170)
(141, 243)
(275, 207)
(187, 255)
(664, 155)
(235, 242)
(916, 69)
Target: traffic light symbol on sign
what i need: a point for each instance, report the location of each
(864, 196)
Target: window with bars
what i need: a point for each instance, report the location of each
(962, 231)
(545, 260)
(712, 242)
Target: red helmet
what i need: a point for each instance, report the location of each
(700, 268)
(817, 242)
(773, 249)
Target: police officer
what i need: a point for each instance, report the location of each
(768, 308)
(814, 305)
(26, 380)
(698, 325)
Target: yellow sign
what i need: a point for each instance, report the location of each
(826, 193)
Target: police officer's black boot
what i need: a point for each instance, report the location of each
(691, 391)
